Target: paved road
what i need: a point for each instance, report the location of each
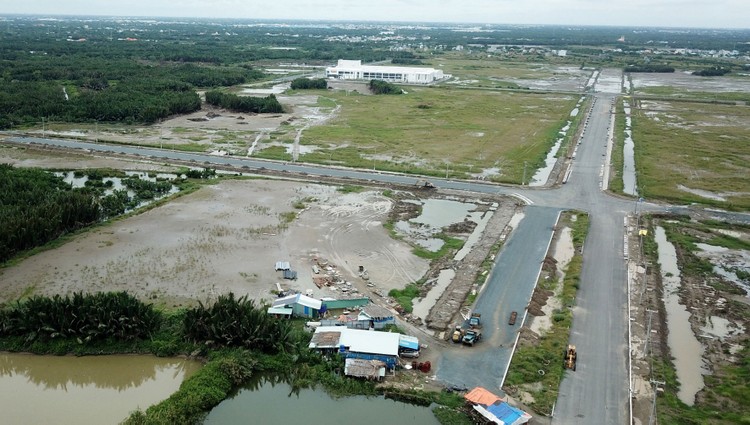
(508, 288)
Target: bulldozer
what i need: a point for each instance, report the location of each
(570, 357)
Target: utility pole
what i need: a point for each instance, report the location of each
(648, 332)
(523, 181)
(446, 171)
(42, 126)
(652, 418)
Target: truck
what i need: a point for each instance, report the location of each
(570, 357)
(472, 336)
(475, 321)
(512, 318)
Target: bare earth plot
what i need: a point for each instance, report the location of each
(225, 237)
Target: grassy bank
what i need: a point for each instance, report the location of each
(546, 353)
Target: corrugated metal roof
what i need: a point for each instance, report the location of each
(280, 310)
(298, 299)
(283, 265)
(376, 312)
(480, 395)
(356, 340)
(364, 368)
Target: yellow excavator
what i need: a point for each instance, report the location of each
(570, 357)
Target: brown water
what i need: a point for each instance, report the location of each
(84, 390)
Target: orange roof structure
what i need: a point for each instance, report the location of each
(480, 395)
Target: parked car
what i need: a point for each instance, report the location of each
(513, 316)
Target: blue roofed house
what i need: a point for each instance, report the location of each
(297, 305)
(493, 409)
(357, 343)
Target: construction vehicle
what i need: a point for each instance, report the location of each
(472, 336)
(424, 184)
(475, 321)
(458, 334)
(570, 357)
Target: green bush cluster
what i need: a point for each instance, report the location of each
(84, 317)
(309, 83)
(257, 105)
(237, 322)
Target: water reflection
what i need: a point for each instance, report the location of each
(269, 399)
(85, 390)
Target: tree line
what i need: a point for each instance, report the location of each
(258, 105)
(309, 83)
(37, 207)
(383, 87)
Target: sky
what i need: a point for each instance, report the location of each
(651, 13)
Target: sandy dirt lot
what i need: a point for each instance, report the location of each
(227, 237)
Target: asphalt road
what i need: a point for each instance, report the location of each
(508, 289)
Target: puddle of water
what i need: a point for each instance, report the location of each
(116, 183)
(268, 402)
(517, 217)
(721, 327)
(476, 234)
(85, 390)
(277, 89)
(711, 248)
(683, 344)
(439, 213)
(628, 166)
(422, 307)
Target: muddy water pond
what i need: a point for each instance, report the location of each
(268, 401)
(684, 346)
(85, 390)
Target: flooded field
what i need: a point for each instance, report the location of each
(94, 390)
(684, 81)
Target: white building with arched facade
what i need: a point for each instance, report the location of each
(354, 70)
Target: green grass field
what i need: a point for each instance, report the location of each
(700, 146)
(431, 129)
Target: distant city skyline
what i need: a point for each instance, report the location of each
(650, 13)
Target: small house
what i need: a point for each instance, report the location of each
(493, 409)
(357, 344)
(301, 305)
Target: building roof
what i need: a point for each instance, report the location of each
(298, 299)
(374, 311)
(283, 265)
(357, 64)
(356, 340)
(482, 396)
(364, 368)
(508, 414)
(503, 414)
(286, 311)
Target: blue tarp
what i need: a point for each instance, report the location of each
(505, 412)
